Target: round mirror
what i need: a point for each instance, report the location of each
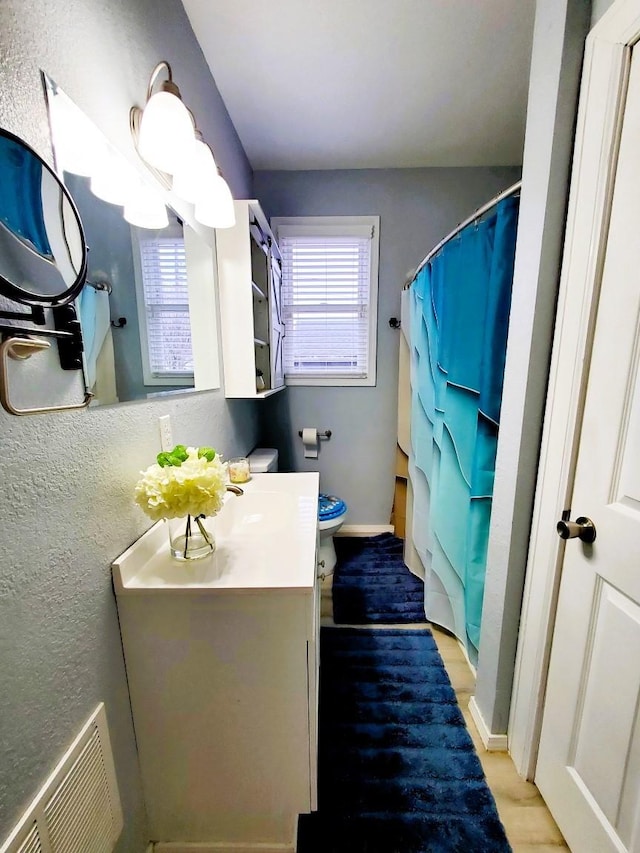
(43, 255)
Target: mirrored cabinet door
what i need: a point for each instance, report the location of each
(148, 310)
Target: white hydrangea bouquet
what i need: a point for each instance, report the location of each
(186, 484)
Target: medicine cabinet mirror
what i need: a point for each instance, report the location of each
(148, 309)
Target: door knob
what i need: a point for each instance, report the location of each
(582, 528)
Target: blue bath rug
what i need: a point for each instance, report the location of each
(398, 772)
(372, 585)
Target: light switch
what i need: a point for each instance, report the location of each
(166, 434)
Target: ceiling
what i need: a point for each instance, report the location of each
(351, 84)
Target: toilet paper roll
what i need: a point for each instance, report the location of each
(310, 443)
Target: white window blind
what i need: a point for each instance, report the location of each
(166, 307)
(329, 300)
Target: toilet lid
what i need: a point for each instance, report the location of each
(329, 506)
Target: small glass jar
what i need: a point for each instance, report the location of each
(238, 469)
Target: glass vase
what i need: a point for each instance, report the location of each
(191, 537)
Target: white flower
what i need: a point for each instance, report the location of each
(195, 487)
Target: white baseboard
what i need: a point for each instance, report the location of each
(218, 847)
(492, 742)
(364, 529)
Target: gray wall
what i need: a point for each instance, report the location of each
(417, 207)
(67, 479)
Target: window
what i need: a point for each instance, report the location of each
(163, 306)
(329, 298)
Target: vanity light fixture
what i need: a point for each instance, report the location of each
(193, 171)
(82, 150)
(110, 182)
(167, 130)
(117, 183)
(167, 139)
(146, 209)
(214, 206)
(77, 143)
(199, 181)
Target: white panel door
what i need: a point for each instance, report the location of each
(589, 760)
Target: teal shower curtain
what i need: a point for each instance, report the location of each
(459, 307)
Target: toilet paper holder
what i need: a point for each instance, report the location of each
(325, 434)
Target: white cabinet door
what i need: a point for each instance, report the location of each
(589, 760)
(249, 276)
(313, 676)
(277, 330)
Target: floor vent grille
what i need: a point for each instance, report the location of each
(78, 809)
(31, 844)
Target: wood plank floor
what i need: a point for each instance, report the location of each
(529, 825)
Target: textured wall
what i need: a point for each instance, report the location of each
(65, 499)
(417, 207)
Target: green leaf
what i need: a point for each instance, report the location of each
(163, 459)
(207, 452)
(180, 452)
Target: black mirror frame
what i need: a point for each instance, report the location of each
(18, 294)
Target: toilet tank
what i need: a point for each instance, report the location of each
(263, 460)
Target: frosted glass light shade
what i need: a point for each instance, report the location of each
(145, 208)
(195, 171)
(166, 132)
(77, 143)
(214, 206)
(111, 180)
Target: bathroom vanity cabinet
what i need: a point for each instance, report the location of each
(249, 286)
(222, 661)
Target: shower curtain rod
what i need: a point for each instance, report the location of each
(475, 215)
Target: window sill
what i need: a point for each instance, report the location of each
(331, 381)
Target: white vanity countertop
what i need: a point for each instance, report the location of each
(265, 540)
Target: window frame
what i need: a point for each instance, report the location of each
(151, 377)
(342, 224)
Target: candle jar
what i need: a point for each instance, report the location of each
(238, 469)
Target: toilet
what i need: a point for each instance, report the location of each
(331, 509)
(331, 513)
(263, 460)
